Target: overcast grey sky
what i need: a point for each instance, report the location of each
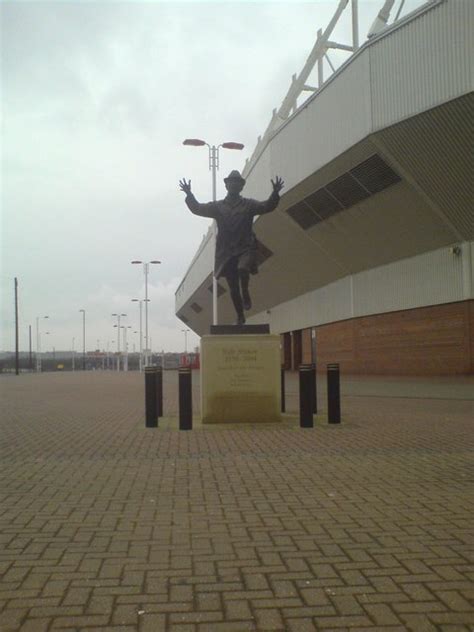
(97, 98)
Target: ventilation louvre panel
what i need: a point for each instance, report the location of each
(303, 215)
(374, 174)
(363, 181)
(196, 308)
(323, 203)
(347, 190)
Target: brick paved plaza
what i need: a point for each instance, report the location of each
(107, 525)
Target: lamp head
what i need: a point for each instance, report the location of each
(232, 145)
(196, 142)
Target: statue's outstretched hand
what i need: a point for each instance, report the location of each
(277, 185)
(185, 186)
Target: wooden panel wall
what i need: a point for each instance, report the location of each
(296, 341)
(436, 340)
(306, 353)
(471, 334)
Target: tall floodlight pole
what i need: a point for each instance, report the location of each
(38, 343)
(73, 360)
(145, 270)
(83, 338)
(213, 167)
(118, 338)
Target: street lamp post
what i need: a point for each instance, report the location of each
(38, 343)
(134, 346)
(46, 333)
(72, 355)
(145, 270)
(185, 331)
(213, 168)
(118, 338)
(83, 338)
(108, 354)
(139, 301)
(125, 346)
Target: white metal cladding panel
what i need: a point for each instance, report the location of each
(325, 305)
(258, 181)
(334, 120)
(429, 279)
(196, 274)
(432, 278)
(468, 270)
(423, 63)
(333, 302)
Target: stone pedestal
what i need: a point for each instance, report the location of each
(240, 378)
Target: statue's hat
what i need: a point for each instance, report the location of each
(234, 175)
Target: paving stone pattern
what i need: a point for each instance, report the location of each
(107, 525)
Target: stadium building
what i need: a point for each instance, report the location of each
(368, 260)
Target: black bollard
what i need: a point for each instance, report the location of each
(283, 401)
(306, 396)
(334, 394)
(159, 391)
(150, 397)
(185, 399)
(315, 388)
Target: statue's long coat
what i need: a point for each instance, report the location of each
(235, 236)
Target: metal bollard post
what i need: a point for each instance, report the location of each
(334, 395)
(185, 399)
(159, 391)
(283, 401)
(306, 396)
(150, 397)
(315, 388)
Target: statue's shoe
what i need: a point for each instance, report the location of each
(247, 303)
(240, 319)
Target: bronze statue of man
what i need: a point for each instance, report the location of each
(236, 244)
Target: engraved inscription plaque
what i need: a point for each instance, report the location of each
(240, 378)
